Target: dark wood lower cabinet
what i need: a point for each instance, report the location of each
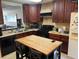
(62, 38)
(7, 44)
(25, 34)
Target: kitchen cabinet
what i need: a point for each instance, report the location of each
(64, 39)
(31, 13)
(74, 6)
(25, 34)
(61, 11)
(7, 45)
(1, 14)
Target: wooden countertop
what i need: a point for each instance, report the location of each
(52, 32)
(41, 44)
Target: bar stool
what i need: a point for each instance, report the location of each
(35, 54)
(22, 51)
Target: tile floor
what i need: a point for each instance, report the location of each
(13, 56)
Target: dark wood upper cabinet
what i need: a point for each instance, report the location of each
(25, 13)
(31, 13)
(1, 14)
(61, 11)
(74, 6)
(67, 12)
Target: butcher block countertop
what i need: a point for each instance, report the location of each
(43, 45)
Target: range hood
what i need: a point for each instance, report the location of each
(46, 12)
(46, 9)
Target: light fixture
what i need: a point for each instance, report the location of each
(36, 0)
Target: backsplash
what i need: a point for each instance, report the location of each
(48, 21)
(63, 25)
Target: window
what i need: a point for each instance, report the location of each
(10, 20)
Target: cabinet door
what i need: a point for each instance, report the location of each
(7, 45)
(58, 11)
(67, 11)
(64, 47)
(74, 6)
(64, 38)
(61, 11)
(54, 12)
(31, 13)
(34, 13)
(54, 37)
(1, 15)
(38, 12)
(25, 13)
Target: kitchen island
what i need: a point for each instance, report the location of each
(7, 40)
(41, 47)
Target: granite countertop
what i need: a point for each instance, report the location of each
(53, 32)
(9, 33)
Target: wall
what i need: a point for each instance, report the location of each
(18, 12)
(48, 20)
(62, 25)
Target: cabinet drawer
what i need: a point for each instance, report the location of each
(64, 38)
(54, 37)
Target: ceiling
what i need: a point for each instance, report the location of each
(27, 1)
(17, 3)
(10, 7)
(6, 5)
